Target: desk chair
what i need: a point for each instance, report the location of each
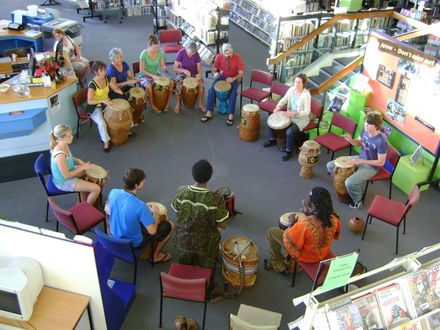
(254, 318)
(256, 93)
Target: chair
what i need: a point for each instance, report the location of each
(316, 108)
(170, 41)
(254, 318)
(386, 172)
(269, 104)
(185, 282)
(80, 103)
(117, 296)
(392, 212)
(136, 67)
(79, 218)
(313, 270)
(119, 248)
(334, 142)
(41, 169)
(256, 93)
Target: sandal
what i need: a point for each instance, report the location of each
(229, 122)
(166, 257)
(205, 118)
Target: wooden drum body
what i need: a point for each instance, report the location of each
(250, 123)
(189, 92)
(239, 252)
(161, 92)
(279, 123)
(118, 118)
(287, 219)
(222, 89)
(308, 157)
(340, 173)
(137, 98)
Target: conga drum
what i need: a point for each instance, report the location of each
(161, 92)
(161, 210)
(136, 98)
(222, 89)
(118, 118)
(340, 173)
(240, 256)
(189, 92)
(308, 157)
(279, 123)
(287, 219)
(250, 123)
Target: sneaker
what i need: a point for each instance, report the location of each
(287, 155)
(356, 205)
(269, 143)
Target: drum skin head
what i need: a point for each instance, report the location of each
(342, 162)
(120, 105)
(278, 121)
(251, 108)
(190, 82)
(137, 92)
(162, 81)
(97, 172)
(222, 86)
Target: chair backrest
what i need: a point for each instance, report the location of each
(262, 77)
(393, 157)
(63, 216)
(118, 247)
(279, 88)
(347, 124)
(41, 169)
(168, 36)
(136, 67)
(79, 99)
(174, 287)
(413, 198)
(236, 323)
(316, 108)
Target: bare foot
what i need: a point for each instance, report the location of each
(176, 110)
(202, 108)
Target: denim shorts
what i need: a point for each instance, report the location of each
(68, 185)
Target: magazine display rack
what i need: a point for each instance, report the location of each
(408, 300)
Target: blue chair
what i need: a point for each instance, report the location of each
(41, 169)
(117, 296)
(119, 248)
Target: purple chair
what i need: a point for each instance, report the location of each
(256, 93)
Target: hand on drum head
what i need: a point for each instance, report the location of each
(351, 161)
(107, 102)
(230, 80)
(87, 166)
(186, 72)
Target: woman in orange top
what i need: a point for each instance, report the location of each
(309, 238)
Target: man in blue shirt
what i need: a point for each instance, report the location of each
(131, 218)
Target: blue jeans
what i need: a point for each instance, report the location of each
(355, 182)
(292, 134)
(232, 95)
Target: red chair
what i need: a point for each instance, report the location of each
(313, 270)
(80, 102)
(386, 172)
(392, 212)
(256, 93)
(334, 142)
(185, 282)
(79, 218)
(316, 108)
(170, 40)
(276, 88)
(136, 67)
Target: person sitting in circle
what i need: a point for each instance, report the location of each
(118, 71)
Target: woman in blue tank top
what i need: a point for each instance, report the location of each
(66, 169)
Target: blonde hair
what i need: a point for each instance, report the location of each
(57, 133)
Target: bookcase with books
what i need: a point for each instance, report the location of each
(207, 24)
(137, 7)
(409, 300)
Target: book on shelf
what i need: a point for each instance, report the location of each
(392, 305)
(411, 325)
(434, 279)
(344, 316)
(420, 295)
(431, 320)
(369, 311)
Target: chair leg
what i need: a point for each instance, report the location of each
(241, 100)
(391, 187)
(105, 225)
(397, 239)
(77, 129)
(47, 211)
(365, 191)
(152, 253)
(404, 225)
(135, 272)
(204, 314)
(161, 303)
(333, 155)
(365, 227)
(58, 226)
(350, 150)
(294, 273)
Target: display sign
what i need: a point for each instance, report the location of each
(405, 52)
(340, 271)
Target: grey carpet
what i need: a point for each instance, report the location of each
(167, 145)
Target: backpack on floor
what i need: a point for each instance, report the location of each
(229, 200)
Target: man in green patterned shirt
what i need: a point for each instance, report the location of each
(200, 214)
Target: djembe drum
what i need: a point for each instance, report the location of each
(137, 98)
(161, 92)
(340, 173)
(250, 123)
(159, 209)
(97, 175)
(240, 261)
(118, 118)
(222, 89)
(308, 157)
(279, 123)
(289, 218)
(189, 92)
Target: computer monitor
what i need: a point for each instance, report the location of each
(32, 62)
(416, 156)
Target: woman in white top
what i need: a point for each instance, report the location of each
(80, 65)
(298, 100)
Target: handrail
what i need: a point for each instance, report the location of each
(339, 17)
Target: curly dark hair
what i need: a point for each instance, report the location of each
(202, 171)
(322, 200)
(133, 177)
